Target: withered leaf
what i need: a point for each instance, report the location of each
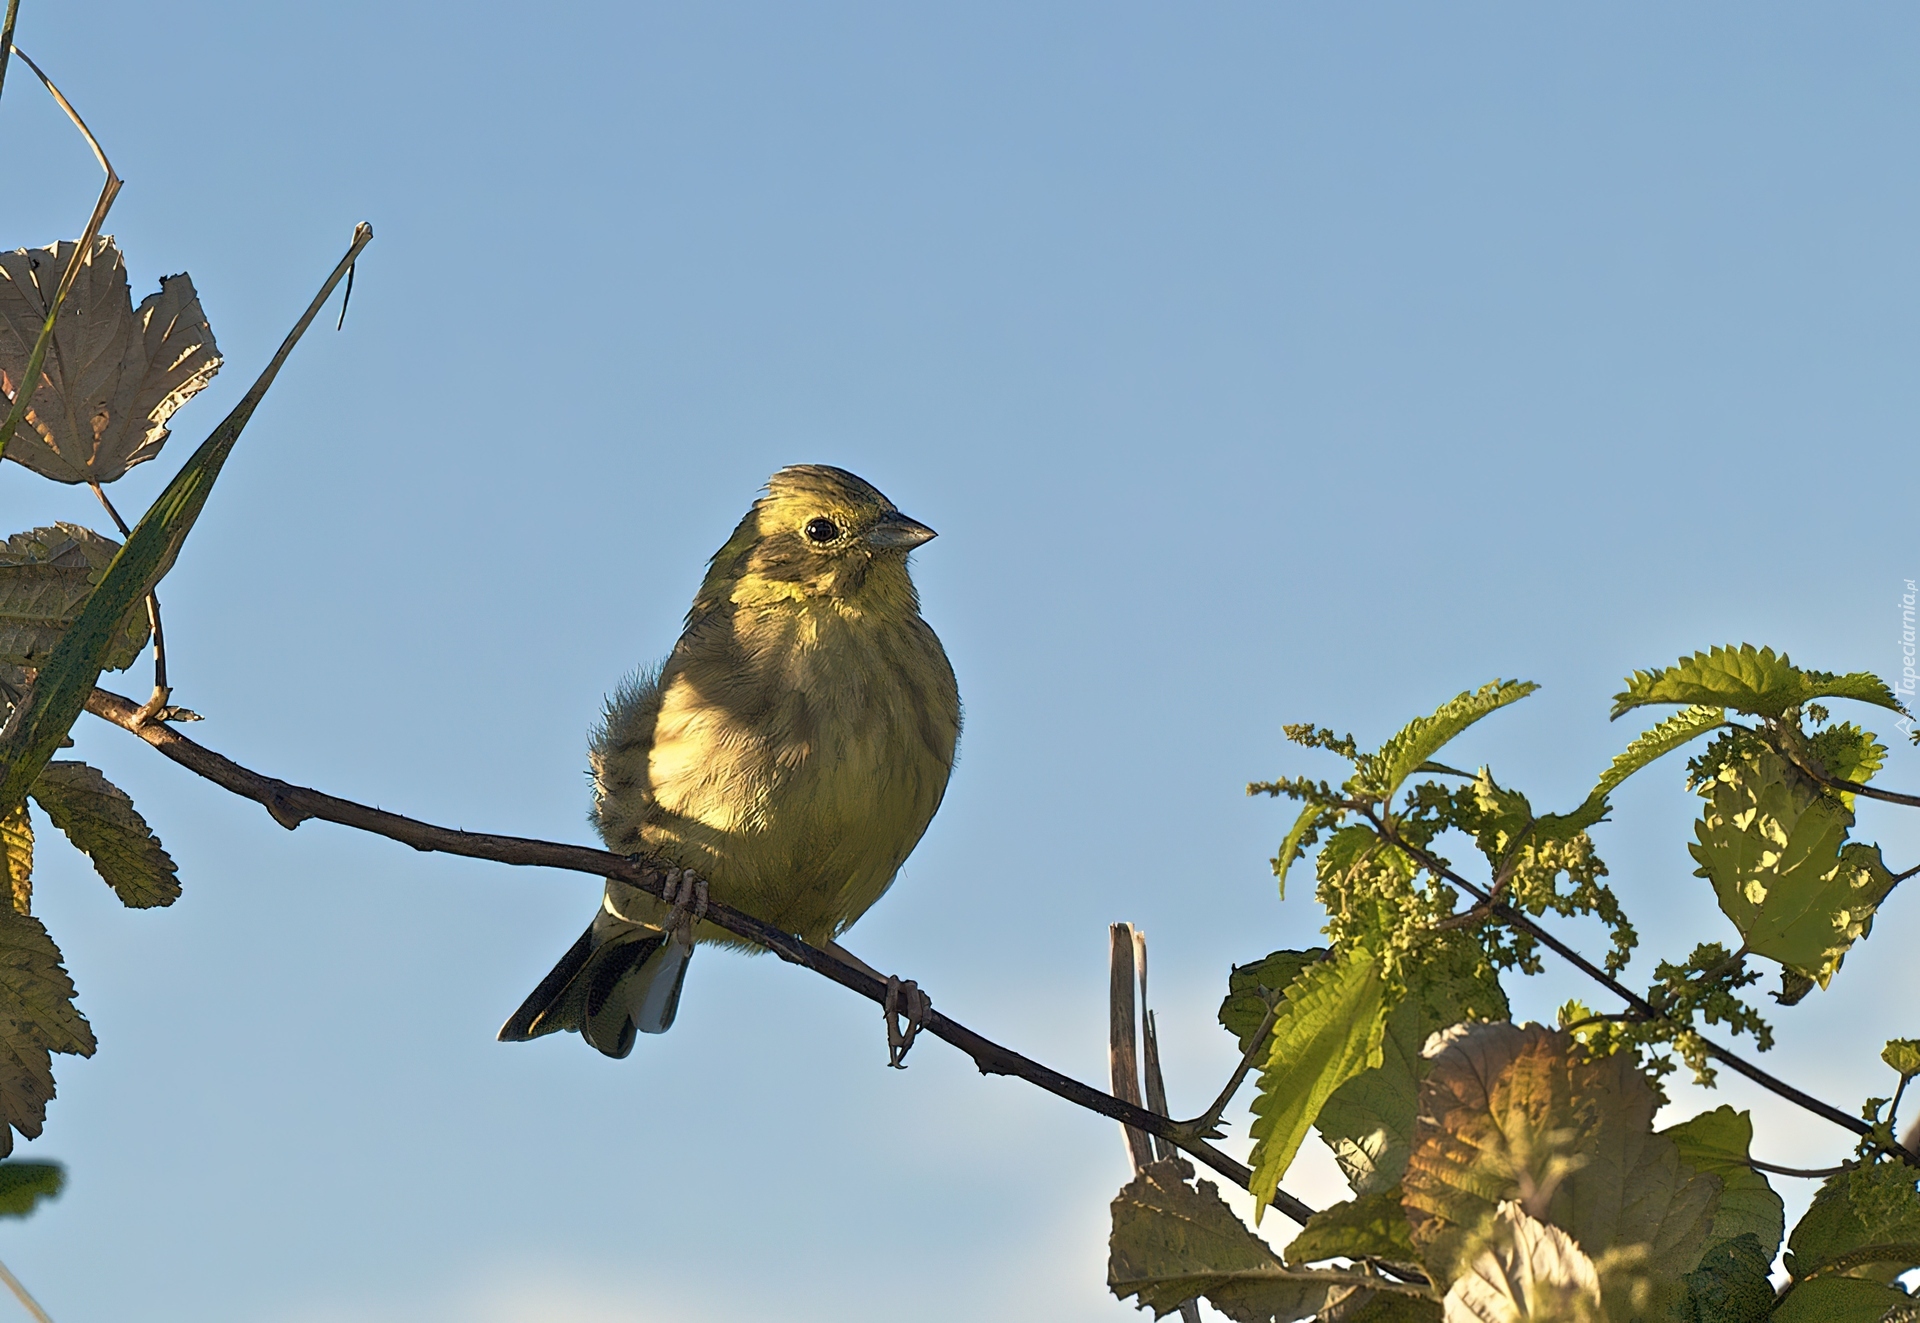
(113, 375)
(46, 576)
(37, 1017)
(100, 819)
(16, 839)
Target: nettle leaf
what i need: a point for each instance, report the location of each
(1528, 1272)
(115, 374)
(1848, 753)
(1717, 1142)
(1748, 679)
(24, 1184)
(1329, 1032)
(1368, 1122)
(1381, 773)
(1373, 1225)
(100, 820)
(1840, 1300)
(1774, 845)
(1309, 818)
(1510, 1112)
(1663, 739)
(1863, 1223)
(1252, 989)
(1174, 1241)
(46, 576)
(16, 839)
(1903, 1054)
(37, 1017)
(1732, 1283)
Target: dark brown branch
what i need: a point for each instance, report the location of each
(290, 805)
(1726, 1056)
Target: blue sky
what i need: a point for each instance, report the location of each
(1256, 364)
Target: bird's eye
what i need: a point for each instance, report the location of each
(822, 530)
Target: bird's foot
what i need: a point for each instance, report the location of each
(686, 892)
(907, 1009)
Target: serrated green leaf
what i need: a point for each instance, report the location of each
(100, 820)
(37, 1017)
(1732, 1283)
(1527, 1272)
(1656, 743)
(24, 1184)
(1329, 1032)
(1717, 1142)
(1520, 1112)
(46, 576)
(1838, 1300)
(1748, 679)
(1903, 1054)
(1309, 818)
(1774, 845)
(1368, 1122)
(1252, 989)
(1382, 773)
(59, 693)
(1848, 753)
(1860, 1224)
(16, 839)
(1371, 1226)
(1175, 1241)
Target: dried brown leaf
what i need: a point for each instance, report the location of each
(16, 839)
(114, 374)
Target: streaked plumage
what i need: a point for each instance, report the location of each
(791, 749)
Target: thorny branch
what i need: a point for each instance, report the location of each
(290, 805)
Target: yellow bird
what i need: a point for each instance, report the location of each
(788, 754)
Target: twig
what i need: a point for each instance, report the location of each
(20, 1293)
(1726, 1056)
(1123, 1019)
(162, 692)
(6, 38)
(290, 805)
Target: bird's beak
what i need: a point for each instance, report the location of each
(895, 530)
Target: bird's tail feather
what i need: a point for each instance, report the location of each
(628, 984)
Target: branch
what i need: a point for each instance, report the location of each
(290, 805)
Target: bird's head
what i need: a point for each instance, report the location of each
(819, 532)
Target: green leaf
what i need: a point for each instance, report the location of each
(1309, 818)
(1371, 1226)
(1861, 1224)
(1174, 1241)
(1663, 739)
(1368, 1122)
(1388, 1307)
(1903, 1054)
(16, 839)
(60, 692)
(1732, 1283)
(1381, 773)
(1748, 679)
(99, 818)
(1526, 1272)
(1717, 1142)
(1773, 843)
(1329, 1032)
(1252, 989)
(37, 1017)
(24, 1184)
(1510, 1112)
(1848, 753)
(46, 576)
(1838, 1300)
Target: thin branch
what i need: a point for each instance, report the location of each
(162, 692)
(1810, 1173)
(1726, 1056)
(6, 38)
(290, 805)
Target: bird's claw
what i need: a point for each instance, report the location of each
(907, 1010)
(686, 892)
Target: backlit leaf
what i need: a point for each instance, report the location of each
(1717, 1142)
(1528, 1272)
(46, 576)
(1252, 989)
(1732, 1283)
(1329, 1031)
(99, 818)
(1663, 739)
(37, 1017)
(1839, 1300)
(1861, 1224)
(1310, 816)
(1381, 773)
(115, 374)
(16, 839)
(1774, 845)
(1373, 1224)
(24, 1184)
(1747, 679)
(1903, 1054)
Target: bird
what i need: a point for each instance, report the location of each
(784, 759)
